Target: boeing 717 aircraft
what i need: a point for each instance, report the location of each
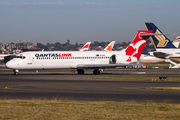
(81, 60)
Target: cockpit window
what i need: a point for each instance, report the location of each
(22, 57)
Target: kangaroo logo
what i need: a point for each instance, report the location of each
(162, 40)
(135, 48)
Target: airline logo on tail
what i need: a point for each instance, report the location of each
(85, 47)
(137, 45)
(110, 46)
(159, 41)
(162, 40)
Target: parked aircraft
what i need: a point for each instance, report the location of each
(176, 42)
(2, 56)
(148, 59)
(81, 60)
(110, 46)
(164, 47)
(85, 47)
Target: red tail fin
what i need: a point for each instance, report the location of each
(136, 46)
(85, 47)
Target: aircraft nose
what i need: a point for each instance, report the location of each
(11, 65)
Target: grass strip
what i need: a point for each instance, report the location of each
(164, 88)
(137, 78)
(74, 110)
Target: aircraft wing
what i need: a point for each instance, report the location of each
(91, 66)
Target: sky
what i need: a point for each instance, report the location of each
(51, 21)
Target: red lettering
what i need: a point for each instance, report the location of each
(65, 55)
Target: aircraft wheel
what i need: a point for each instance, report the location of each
(96, 72)
(15, 73)
(162, 78)
(80, 71)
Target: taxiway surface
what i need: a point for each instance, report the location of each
(83, 88)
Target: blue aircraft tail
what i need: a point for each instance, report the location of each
(159, 41)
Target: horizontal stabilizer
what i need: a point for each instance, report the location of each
(151, 34)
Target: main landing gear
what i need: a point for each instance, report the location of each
(80, 71)
(95, 72)
(16, 72)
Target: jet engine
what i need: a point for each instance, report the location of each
(118, 59)
(113, 59)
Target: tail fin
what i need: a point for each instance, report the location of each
(159, 41)
(176, 42)
(137, 45)
(110, 46)
(85, 47)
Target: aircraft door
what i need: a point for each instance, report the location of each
(29, 59)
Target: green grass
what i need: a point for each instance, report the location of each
(137, 78)
(73, 110)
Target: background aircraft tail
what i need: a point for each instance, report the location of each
(159, 41)
(176, 42)
(110, 46)
(85, 47)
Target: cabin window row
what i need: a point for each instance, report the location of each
(73, 58)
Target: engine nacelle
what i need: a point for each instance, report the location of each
(118, 59)
(112, 59)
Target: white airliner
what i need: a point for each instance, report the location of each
(81, 60)
(152, 59)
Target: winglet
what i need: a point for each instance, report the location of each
(110, 46)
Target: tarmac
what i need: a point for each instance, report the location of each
(62, 84)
